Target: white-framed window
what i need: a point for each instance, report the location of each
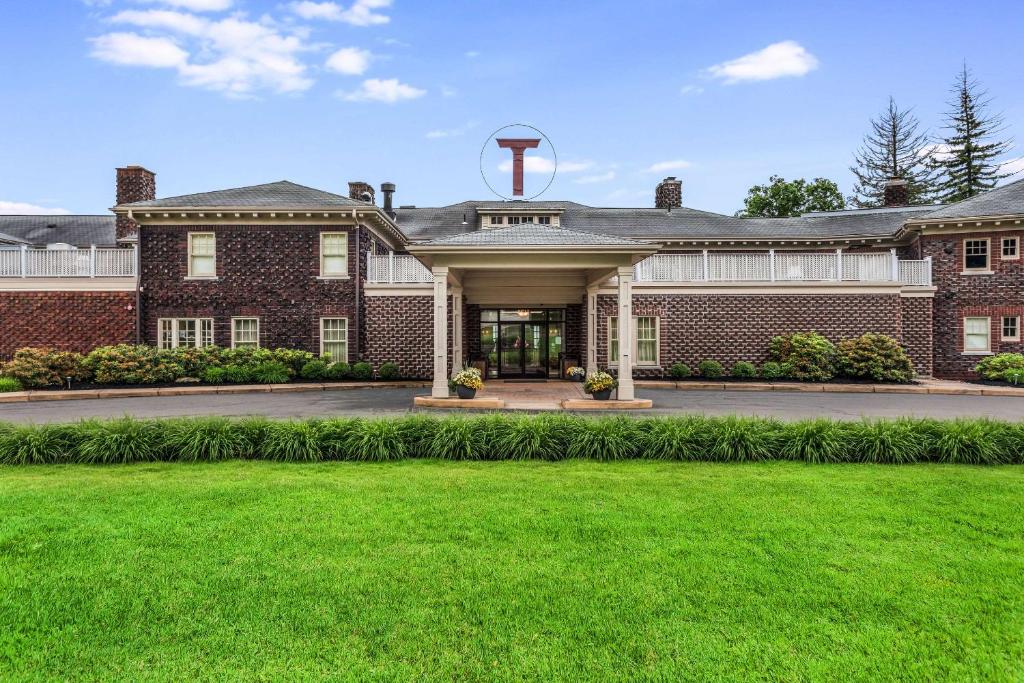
(497, 220)
(646, 346)
(1011, 328)
(245, 333)
(175, 332)
(1011, 248)
(977, 335)
(544, 220)
(976, 254)
(334, 338)
(333, 254)
(515, 220)
(202, 254)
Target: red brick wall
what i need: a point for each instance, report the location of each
(696, 327)
(270, 272)
(960, 296)
(917, 332)
(69, 321)
(401, 329)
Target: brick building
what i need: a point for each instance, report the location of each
(521, 288)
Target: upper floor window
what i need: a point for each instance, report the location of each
(976, 254)
(184, 332)
(497, 220)
(245, 333)
(202, 254)
(1011, 248)
(515, 220)
(333, 254)
(544, 220)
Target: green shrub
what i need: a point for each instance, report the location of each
(292, 359)
(974, 442)
(215, 375)
(874, 356)
(339, 370)
(362, 371)
(123, 440)
(680, 371)
(457, 438)
(812, 356)
(38, 444)
(292, 441)
(8, 384)
(710, 369)
(898, 442)
(736, 439)
(773, 370)
(132, 364)
(33, 367)
(237, 374)
(682, 438)
(388, 371)
(1012, 375)
(194, 362)
(271, 372)
(995, 367)
(314, 370)
(743, 370)
(376, 440)
(204, 439)
(816, 441)
(605, 439)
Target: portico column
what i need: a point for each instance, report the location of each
(456, 329)
(591, 363)
(626, 333)
(440, 386)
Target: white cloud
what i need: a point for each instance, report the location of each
(230, 55)
(691, 90)
(23, 209)
(1012, 166)
(778, 60)
(131, 49)
(195, 5)
(360, 13)
(472, 54)
(625, 194)
(350, 60)
(938, 151)
(596, 178)
(673, 165)
(383, 90)
(539, 164)
(451, 132)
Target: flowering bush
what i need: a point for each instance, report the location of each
(469, 378)
(599, 381)
(996, 367)
(130, 364)
(574, 372)
(45, 367)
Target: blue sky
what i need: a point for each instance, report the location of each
(221, 93)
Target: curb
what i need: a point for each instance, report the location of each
(965, 390)
(141, 392)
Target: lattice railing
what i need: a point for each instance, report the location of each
(25, 262)
(396, 268)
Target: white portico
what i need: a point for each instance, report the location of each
(528, 266)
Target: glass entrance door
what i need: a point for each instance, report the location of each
(529, 342)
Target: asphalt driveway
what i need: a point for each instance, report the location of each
(398, 401)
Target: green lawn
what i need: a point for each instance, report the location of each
(567, 571)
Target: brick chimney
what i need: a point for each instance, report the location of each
(669, 194)
(388, 190)
(896, 192)
(361, 191)
(134, 184)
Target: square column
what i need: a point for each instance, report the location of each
(457, 361)
(440, 386)
(591, 361)
(626, 392)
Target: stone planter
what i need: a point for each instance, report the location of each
(602, 395)
(465, 392)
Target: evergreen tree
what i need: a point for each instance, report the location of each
(969, 151)
(893, 149)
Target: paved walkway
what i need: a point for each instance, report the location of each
(398, 401)
(532, 395)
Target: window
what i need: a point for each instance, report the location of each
(1010, 248)
(497, 220)
(333, 254)
(245, 333)
(544, 220)
(976, 254)
(334, 338)
(202, 254)
(1011, 328)
(187, 332)
(645, 340)
(515, 220)
(976, 335)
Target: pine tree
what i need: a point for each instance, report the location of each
(968, 152)
(893, 149)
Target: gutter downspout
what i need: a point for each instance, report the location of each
(138, 281)
(359, 276)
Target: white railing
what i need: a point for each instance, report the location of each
(396, 268)
(784, 266)
(92, 262)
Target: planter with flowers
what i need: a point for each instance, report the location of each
(466, 383)
(600, 385)
(575, 374)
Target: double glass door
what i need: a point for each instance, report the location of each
(523, 343)
(523, 352)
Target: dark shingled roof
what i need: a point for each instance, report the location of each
(529, 234)
(421, 224)
(283, 194)
(79, 231)
(1007, 200)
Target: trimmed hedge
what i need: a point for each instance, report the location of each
(512, 437)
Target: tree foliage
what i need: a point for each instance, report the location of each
(894, 148)
(781, 198)
(967, 154)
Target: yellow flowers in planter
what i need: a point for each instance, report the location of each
(469, 378)
(598, 382)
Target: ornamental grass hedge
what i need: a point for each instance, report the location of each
(515, 437)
